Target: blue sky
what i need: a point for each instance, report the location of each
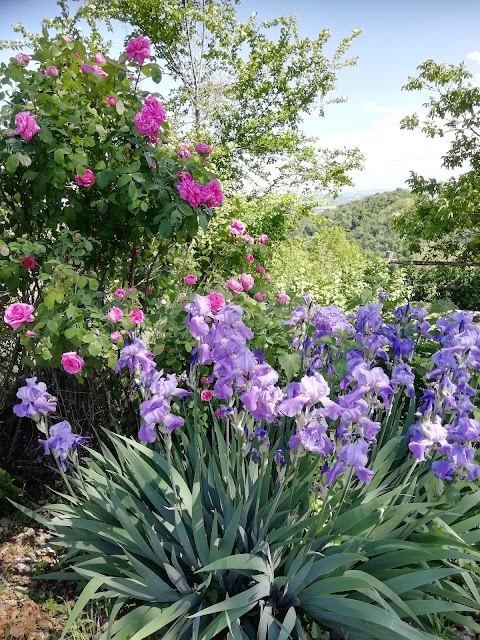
(397, 36)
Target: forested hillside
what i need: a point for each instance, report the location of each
(367, 221)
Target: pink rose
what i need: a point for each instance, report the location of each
(203, 148)
(77, 55)
(262, 239)
(153, 165)
(283, 298)
(190, 190)
(237, 228)
(30, 334)
(217, 301)
(99, 58)
(218, 413)
(138, 49)
(248, 239)
(250, 258)
(149, 290)
(72, 362)
(120, 293)
(52, 71)
(115, 314)
(137, 253)
(183, 150)
(88, 68)
(18, 313)
(68, 38)
(149, 120)
(260, 269)
(115, 336)
(190, 279)
(43, 72)
(260, 296)
(247, 281)
(234, 286)
(22, 59)
(267, 276)
(29, 262)
(130, 289)
(112, 101)
(213, 194)
(206, 395)
(87, 180)
(27, 126)
(136, 316)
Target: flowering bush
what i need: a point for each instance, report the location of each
(319, 505)
(90, 201)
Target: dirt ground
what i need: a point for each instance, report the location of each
(33, 609)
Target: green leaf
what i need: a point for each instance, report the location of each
(175, 611)
(50, 300)
(165, 229)
(95, 348)
(185, 209)
(152, 70)
(250, 596)
(120, 107)
(240, 562)
(123, 180)
(58, 156)
(70, 332)
(45, 135)
(93, 284)
(87, 594)
(102, 179)
(30, 175)
(11, 163)
(135, 166)
(290, 363)
(132, 191)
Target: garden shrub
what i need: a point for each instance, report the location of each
(92, 198)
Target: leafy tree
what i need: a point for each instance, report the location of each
(369, 221)
(446, 215)
(245, 87)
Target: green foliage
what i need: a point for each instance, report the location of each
(446, 214)
(8, 489)
(369, 221)
(246, 87)
(459, 285)
(194, 545)
(277, 216)
(331, 269)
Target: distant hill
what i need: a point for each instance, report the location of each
(367, 221)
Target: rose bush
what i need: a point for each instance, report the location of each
(90, 202)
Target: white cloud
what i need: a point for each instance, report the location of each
(474, 55)
(390, 152)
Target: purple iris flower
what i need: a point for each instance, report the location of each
(314, 439)
(136, 357)
(329, 321)
(279, 457)
(61, 441)
(402, 376)
(425, 435)
(36, 401)
(459, 464)
(369, 318)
